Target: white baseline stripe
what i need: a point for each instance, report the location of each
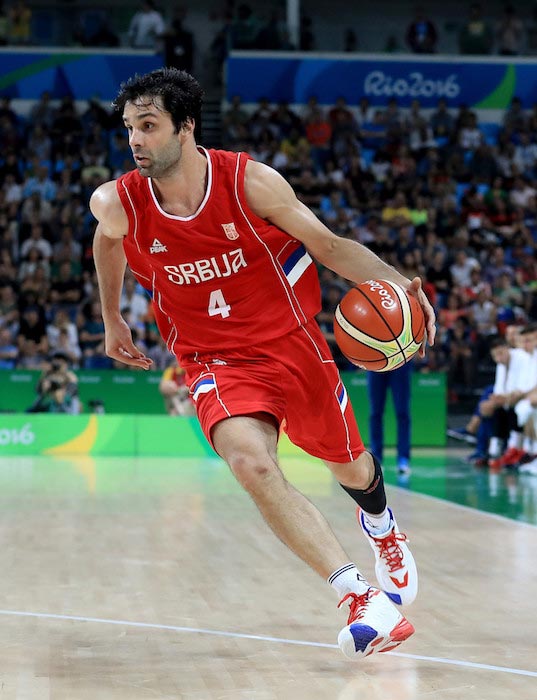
(239, 635)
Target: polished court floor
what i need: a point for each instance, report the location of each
(127, 579)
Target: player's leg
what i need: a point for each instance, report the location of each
(321, 420)
(377, 389)
(395, 567)
(248, 445)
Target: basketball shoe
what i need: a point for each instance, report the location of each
(374, 625)
(394, 564)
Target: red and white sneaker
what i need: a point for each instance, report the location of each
(509, 458)
(394, 566)
(374, 625)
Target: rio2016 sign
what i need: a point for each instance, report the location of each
(415, 85)
(484, 83)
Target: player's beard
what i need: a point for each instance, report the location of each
(164, 162)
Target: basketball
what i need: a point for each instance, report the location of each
(378, 325)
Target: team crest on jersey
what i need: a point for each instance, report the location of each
(158, 247)
(230, 231)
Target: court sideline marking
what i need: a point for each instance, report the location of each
(276, 640)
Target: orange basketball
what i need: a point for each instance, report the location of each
(378, 325)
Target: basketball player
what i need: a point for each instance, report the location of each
(224, 247)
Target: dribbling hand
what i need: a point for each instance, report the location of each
(119, 346)
(430, 318)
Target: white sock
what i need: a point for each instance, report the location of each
(514, 439)
(533, 449)
(494, 446)
(527, 445)
(378, 524)
(347, 579)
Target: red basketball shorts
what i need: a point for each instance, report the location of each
(293, 378)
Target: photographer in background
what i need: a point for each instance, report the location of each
(175, 392)
(57, 389)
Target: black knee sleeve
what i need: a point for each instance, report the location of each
(373, 499)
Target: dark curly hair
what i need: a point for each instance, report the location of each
(181, 95)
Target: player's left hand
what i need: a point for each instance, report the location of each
(430, 318)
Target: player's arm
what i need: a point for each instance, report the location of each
(272, 198)
(110, 263)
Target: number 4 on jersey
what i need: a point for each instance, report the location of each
(217, 304)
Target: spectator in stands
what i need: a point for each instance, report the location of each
(421, 33)
(514, 119)
(38, 241)
(510, 33)
(307, 36)
(133, 305)
(461, 268)
(459, 348)
(36, 210)
(525, 157)
(470, 136)
(62, 336)
(12, 189)
(8, 349)
(396, 212)
(441, 121)
(20, 21)
(522, 193)
(175, 392)
(483, 314)
(365, 112)
(4, 25)
(272, 34)
(513, 366)
(235, 122)
(33, 327)
(57, 389)
(65, 290)
(103, 34)
(31, 263)
(179, 43)
(67, 249)
(146, 27)
(476, 36)
(66, 118)
(91, 338)
(39, 144)
(483, 164)
(318, 131)
(42, 112)
(244, 28)
(9, 310)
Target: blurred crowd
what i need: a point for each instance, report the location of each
(159, 26)
(436, 194)
(51, 162)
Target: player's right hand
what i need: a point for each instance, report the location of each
(119, 345)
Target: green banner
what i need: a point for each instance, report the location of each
(131, 425)
(428, 408)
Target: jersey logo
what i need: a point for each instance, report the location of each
(230, 231)
(223, 265)
(158, 247)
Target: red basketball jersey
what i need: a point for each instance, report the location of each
(223, 277)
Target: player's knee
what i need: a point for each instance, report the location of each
(253, 471)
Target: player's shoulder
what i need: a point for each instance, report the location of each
(105, 199)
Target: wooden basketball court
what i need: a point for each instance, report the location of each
(127, 579)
